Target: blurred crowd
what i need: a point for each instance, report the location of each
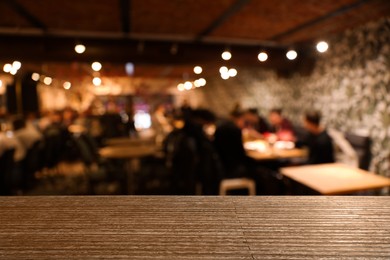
(197, 146)
(208, 149)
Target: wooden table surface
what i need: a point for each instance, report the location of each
(131, 154)
(278, 154)
(335, 178)
(261, 150)
(123, 141)
(127, 152)
(225, 227)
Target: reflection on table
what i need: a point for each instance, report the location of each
(263, 150)
(335, 178)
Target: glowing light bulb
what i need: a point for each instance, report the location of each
(226, 55)
(35, 76)
(232, 72)
(7, 68)
(198, 69)
(223, 70)
(225, 76)
(16, 65)
(67, 85)
(96, 66)
(322, 46)
(187, 85)
(47, 80)
(262, 56)
(180, 87)
(13, 71)
(79, 48)
(202, 82)
(97, 81)
(291, 55)
(196, 83)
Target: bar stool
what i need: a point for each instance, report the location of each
(236, 184)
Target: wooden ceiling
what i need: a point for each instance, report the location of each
(167, 38)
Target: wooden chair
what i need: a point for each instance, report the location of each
(237, 184)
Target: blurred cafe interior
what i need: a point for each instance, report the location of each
(183, 97)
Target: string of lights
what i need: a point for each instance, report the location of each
(224, 71)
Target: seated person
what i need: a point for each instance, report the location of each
(318, 141)
(7, 142)
(228, 142)
(255, 121)
(281, 126)
(160, 122)
(26, 133)
(190, 156)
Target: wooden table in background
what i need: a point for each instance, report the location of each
(335, 178)
(125, 152)
(261, 150)
(126, 141)
(278, 154)
(130, 154)
(226, 227)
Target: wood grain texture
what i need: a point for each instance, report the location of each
(146, 227)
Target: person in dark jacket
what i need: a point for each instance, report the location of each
(318, 141)
(229, 145)
(190, 156)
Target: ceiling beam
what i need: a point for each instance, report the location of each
(122, 50)
(320, 19)
(12, 32)
(124, 9)
(22, 11)
(234, 8)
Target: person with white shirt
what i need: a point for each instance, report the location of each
(26, 134)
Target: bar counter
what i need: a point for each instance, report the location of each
(225, 227)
